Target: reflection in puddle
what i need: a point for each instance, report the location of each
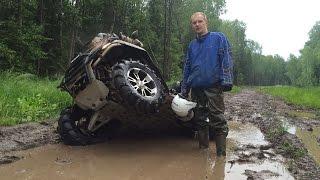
(289, 127)
(247, 134)
(237, 170)
(150, 158)
(121, 159)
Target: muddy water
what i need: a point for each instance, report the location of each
(247, 138)
(245, 133)
(151, 158)
(309, 139)
(161, 158)
(288, 127)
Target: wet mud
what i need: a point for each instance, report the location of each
(156, 148)
(311, 142)
(161, 157)
(142, 158)
(250, 156)
(25, 136)
(269, 114)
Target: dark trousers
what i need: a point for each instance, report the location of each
(210, 105)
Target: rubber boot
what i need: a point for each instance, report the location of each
(221, 145)
(203, 137)
(202, 126)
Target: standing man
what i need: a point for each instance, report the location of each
(207, 73)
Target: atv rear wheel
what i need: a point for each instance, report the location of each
(138, 85)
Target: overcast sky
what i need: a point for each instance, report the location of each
(280, 26)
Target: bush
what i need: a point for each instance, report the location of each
(25, 98)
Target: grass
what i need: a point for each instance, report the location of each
(291, 151)
(277, 131)
(306, 96)
(26, 98)
(235, 89)
(274, 134)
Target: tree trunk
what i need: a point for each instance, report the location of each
(60, 34)
(165, 43)
(74, 31)
(20, 3)
(41, 21)
(72, 44)
(169, 38)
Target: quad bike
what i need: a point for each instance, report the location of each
(113, 69)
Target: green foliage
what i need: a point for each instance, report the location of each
(305, 70)
(236, 89)
(20, 37)
(41, 37)
(276, 132)
(292, 151)
(294, 70)
(25, 98)
(307, 96)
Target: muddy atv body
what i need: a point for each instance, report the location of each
(113, 69)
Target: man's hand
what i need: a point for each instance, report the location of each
(168, 98)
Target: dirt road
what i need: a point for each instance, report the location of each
(152, 155)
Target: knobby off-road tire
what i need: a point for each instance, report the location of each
(138, 85)
(68, 130)
(72, 134)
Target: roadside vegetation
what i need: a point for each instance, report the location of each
(304, 96)
(26, 98)
(275, 134)
(236, 89)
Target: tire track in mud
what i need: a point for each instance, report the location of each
(264, 111)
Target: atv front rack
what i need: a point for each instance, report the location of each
(79, 74)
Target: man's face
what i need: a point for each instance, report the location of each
(199, 24)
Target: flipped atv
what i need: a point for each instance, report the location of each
(113, 69)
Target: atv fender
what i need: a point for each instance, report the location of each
(118, 49)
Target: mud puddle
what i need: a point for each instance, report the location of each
(248, 156)
(311, 140)
(309, 136)
(154, 158)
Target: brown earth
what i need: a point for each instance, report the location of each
(247, 106)
(265, 112)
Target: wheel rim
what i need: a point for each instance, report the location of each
(142, 82)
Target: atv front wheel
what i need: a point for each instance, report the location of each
(72, 128)
(68, 128)
(138, 85)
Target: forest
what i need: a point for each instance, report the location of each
(41, 37)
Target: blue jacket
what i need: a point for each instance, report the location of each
(208, 63)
